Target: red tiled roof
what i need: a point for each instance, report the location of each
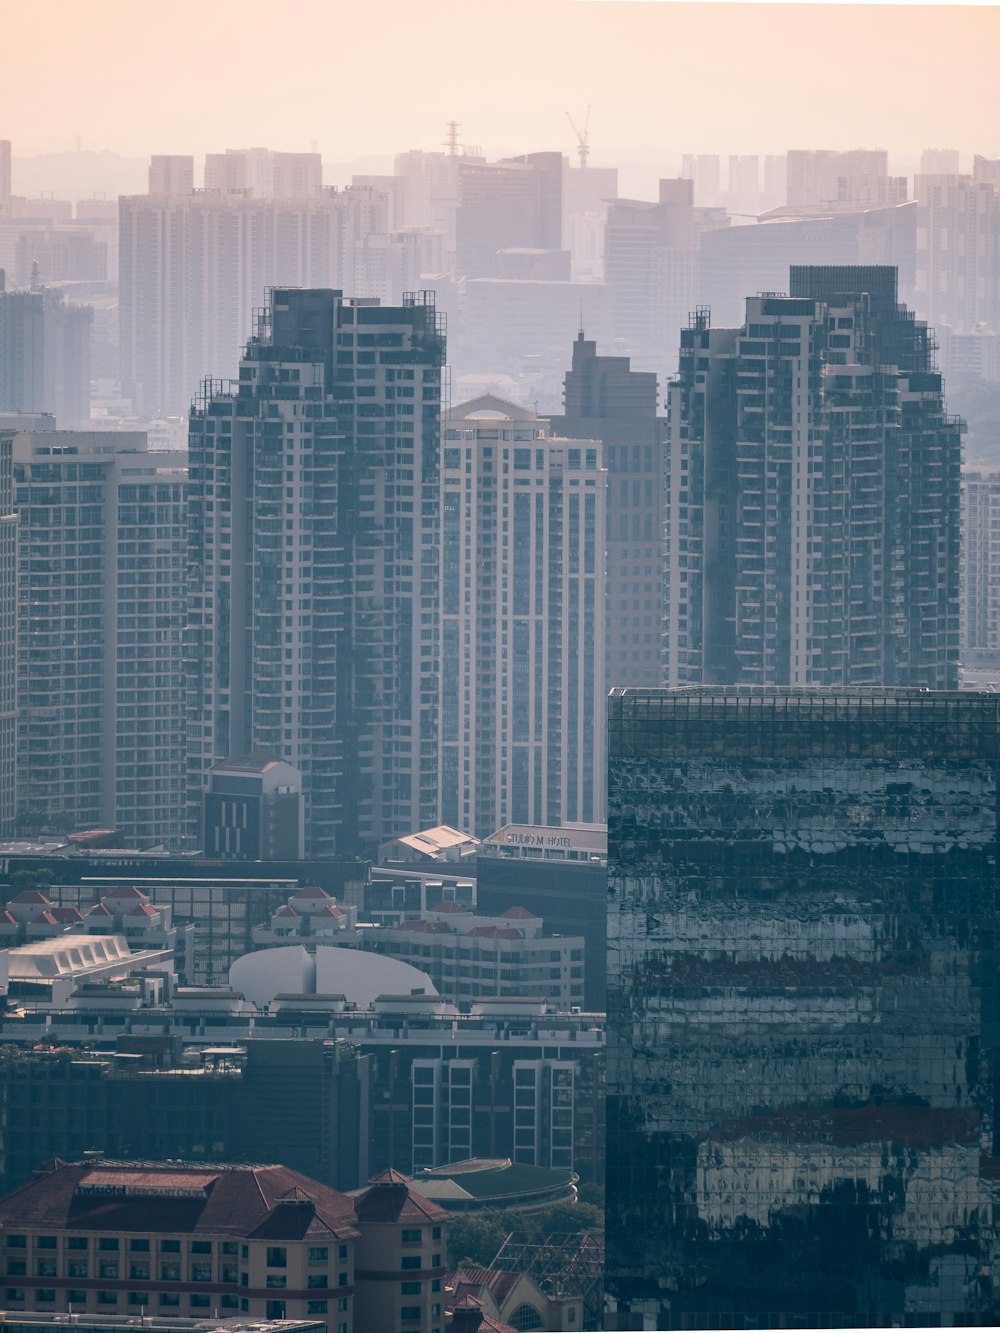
(67, 914)
(446, 905)
(330, 910)
(474, 1278)
(237, 1201)
(391, 1200)
(99, 909)
(6, 919)
(519, 914)
(287, 911)
(47, 917)
(142, 909)
(311, 891)
(125, 891)
(31, 896)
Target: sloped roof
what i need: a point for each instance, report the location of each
(32, 896)
(235, 1201)
(452, 908)
(390, 1200)
(519, 914)
(67, 914)
(312, 892)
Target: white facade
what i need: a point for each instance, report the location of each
(522, 692)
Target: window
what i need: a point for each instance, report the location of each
(410, 1261)
(316, 1280)
(409, 1288)
(138, 1298)
(436, 1233)
(316, 1307)
(17, 1242)
(317, 1254)
(277, 1256)
(45, 1242)
(74, 1297)
(342, 1252)
(526, 1317)
(410, 1312)
(170, 1298)
(139, 1246)
(109, 1270)
(201, 1272)
(77, 1268)
(229, 1303)
(230, 1247)
(14, 1293)
(275, 1281)
(201, 1247)
(412, 1236)
(109, 1243)
(17, 1267)
(170, 1246)
(341, 1279)
(72, 1242)
(46, 1268)
(274, 1309)
(103, 1297)
(170, 1272)
(200, 1302)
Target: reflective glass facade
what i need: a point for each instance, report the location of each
(802, 1011)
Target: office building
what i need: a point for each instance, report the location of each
(254, 810)
(100, 613)
(194, 268)
(44, 355)
(171, 173)
(312, 614)
(522, 627)
(802, 935)
(604, 399)
(650, 270)
(980, 597)
(813, 523)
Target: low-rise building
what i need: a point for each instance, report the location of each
(264, 1241)
(47, 974)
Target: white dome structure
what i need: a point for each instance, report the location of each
(292, 970)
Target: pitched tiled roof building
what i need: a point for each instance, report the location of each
(158, 1239)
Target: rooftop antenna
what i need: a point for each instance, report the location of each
(582, 138)
(451, 139)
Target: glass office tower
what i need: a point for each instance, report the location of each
(802, 1011)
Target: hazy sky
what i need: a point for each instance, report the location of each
(374, 76)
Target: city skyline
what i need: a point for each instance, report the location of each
(630, 62)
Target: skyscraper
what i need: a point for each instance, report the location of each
(813, 483)
(522, 625)
(650, 267)
(802, 1008)
(606, 400)
(515, 202)
(958, 250)
(194, 268)
(981, 569)
(313, 599)
(5, 190)
(45, 356)
(171, 173)
(100, 613)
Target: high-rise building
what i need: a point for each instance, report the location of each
(802, 1009)
(5, 190)
(981, 569)
(171, 173)
(860, 176)
(193, 269)
(263, 173)
(515, 202)
(939, 162)
(743, 188)
(605, 399)
(522, 622)
(8, 637)
(813, 520)
(313, 600)
(44, 355)
(705, 171)
(100, 613)
(958, 251)
(650, 267)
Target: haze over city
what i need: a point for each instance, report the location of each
(499, 666)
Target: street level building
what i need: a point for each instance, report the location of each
(802, 1011)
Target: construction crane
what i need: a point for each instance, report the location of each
(582, 137)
